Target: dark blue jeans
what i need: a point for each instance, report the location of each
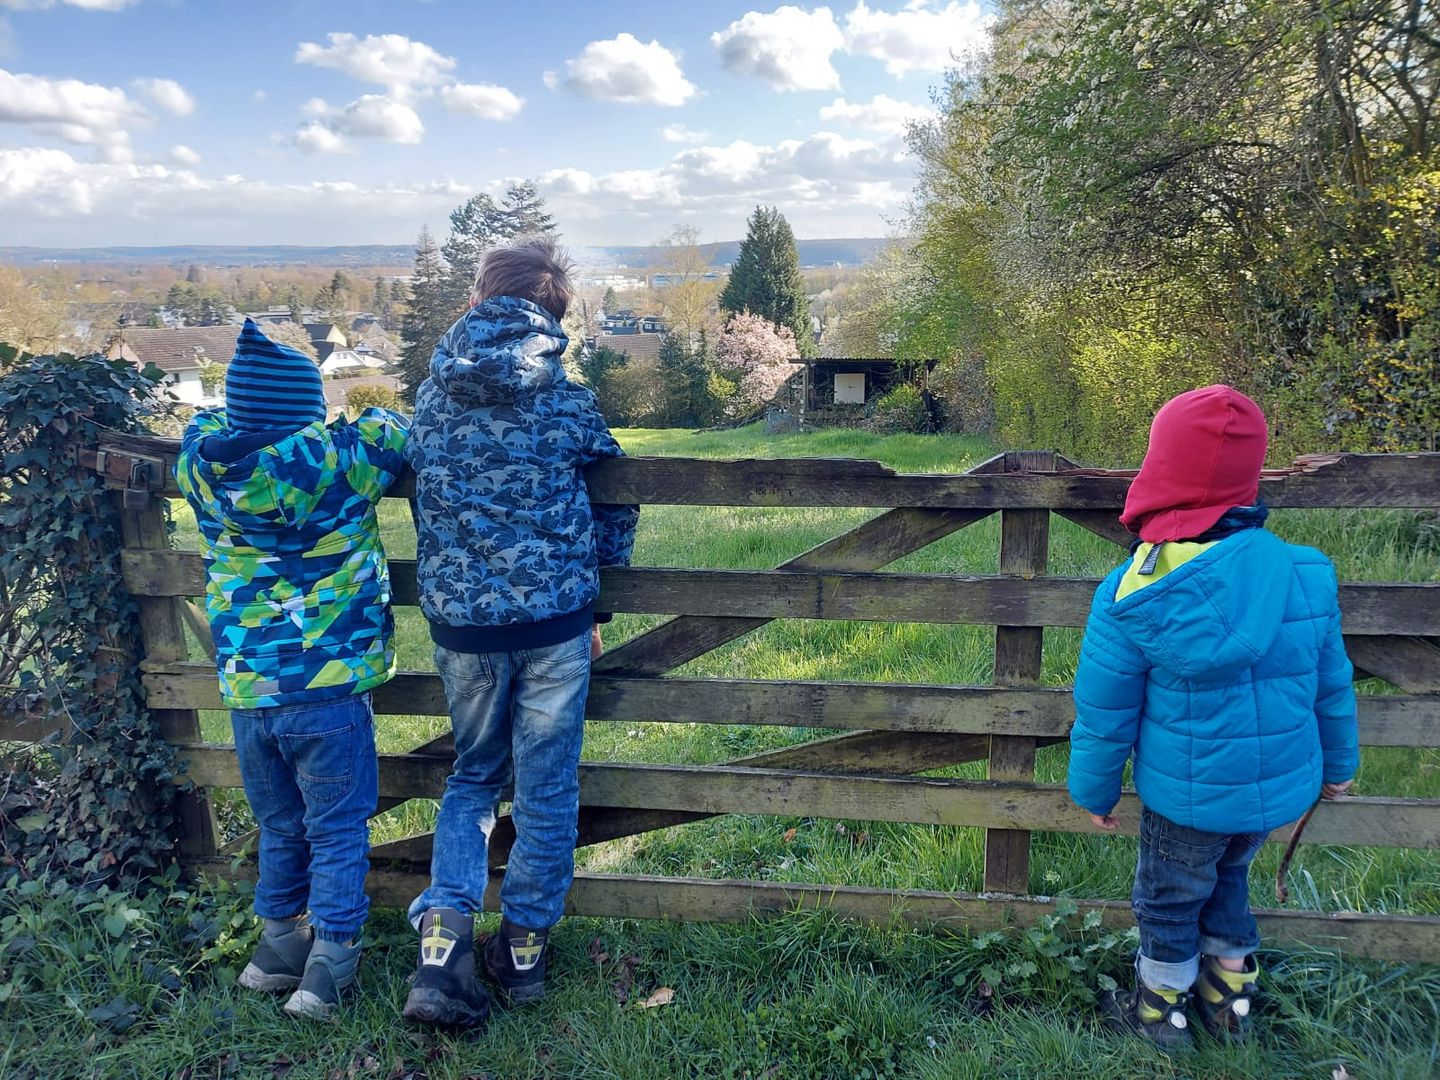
(517, 715)
(311, 777)
(1192, 896)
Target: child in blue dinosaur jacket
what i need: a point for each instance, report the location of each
(298, 596)
(1214, 657)
(510, 546)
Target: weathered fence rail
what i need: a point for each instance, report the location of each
(887, 732)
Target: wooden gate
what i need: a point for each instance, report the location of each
(888, 732)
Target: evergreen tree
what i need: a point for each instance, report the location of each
(427, 317)
(766, 281)
(610, 303)
(524, 210)
(296, 304)
(685, 399)
(380, 301)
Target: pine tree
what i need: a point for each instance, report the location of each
(380, 300)
(524, 209)
(684, 383)
(766, 281)
(427, 317)
(296, 304)
(609, 304)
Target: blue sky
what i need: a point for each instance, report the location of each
(357, 121)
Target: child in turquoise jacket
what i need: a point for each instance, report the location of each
(1213, 657)
(298, 597)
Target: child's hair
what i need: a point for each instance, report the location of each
(534, 268)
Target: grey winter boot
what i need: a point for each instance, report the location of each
(279, 959)
(329, 970)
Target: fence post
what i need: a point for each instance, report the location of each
(1025, 550)
(163, 632)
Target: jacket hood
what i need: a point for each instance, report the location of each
(242, 476)
(1216, 615)
(502, 349)
(1206, 450)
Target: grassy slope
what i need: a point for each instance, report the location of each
(807, 996)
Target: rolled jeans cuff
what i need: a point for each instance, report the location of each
(1161, 976)
(1226, 949)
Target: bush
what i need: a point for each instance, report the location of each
(370, 396)
(901, 409)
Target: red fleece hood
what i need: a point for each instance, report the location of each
(1207, 448)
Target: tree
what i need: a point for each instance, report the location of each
(689, 297)
(610, 303)
(685, 383)
(428, 315)
(766, 281)
(194, 275)
(332, 300)
(479, 224)
(380, 300)
(524, 210)
(212, 377)
(29, 316)
(294, 335)
(756, 356)
(296, 304)
(370, 396)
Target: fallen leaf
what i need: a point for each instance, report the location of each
(598, 955)
(861, 837)
(281, 1067)
(789, 835)
(663, 996)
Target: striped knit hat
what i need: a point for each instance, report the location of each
(271, 387)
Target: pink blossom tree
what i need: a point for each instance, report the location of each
(755, 356)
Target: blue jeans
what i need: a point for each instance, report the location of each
(517, 715)
(1192, 896)
(312, 780)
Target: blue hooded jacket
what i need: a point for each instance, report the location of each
(1227, 679)
(508, 537)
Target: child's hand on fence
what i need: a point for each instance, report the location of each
(1334, 791)
(597, 647)
(1108, 822)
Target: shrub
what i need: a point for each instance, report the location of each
(901, 409)
(370, 396)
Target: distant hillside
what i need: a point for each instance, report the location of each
(846, 252)
(851, 252)
(218, 255)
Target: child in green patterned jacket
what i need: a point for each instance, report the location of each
(298, 595)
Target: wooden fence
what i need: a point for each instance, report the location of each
(889, 732)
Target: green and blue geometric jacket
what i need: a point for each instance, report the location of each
(297, 591)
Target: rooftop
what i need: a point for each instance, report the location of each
(182, 348)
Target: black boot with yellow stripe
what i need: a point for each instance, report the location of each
(444, 991)
(1156, 1015)
(515, 958)
(1224, 999)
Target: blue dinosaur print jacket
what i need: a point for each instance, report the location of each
(507, 533)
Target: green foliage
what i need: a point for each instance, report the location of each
(198, 306)
(95, 803)
(601, 368)
(685, 387)
(898, 410)
(212, 377)
(766, 281)
(427, 316)
(370, 396)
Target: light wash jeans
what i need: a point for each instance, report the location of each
(521, 715)
(311, 777)
(1191, 896)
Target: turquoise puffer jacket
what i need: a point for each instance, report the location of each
(1228, 681)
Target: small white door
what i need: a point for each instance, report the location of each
(850, 389)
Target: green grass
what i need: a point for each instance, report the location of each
(807, 996)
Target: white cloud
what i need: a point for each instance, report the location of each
(789, 47)
(484, 100)
(881, 113)
(372, 116)
(626, 70)
(167, 94)
(55, 198)
(88, 5)
(390, 60)
(258, 95)
(679, 133)
(183, 155)
(922, 37)
(86, 114)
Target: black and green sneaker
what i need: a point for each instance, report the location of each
(1155, 1015)
(1225, 999)
(515, 959)
(444, 991)
(279, 959)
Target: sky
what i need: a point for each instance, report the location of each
(154, 122)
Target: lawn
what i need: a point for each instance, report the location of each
(804, 996)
